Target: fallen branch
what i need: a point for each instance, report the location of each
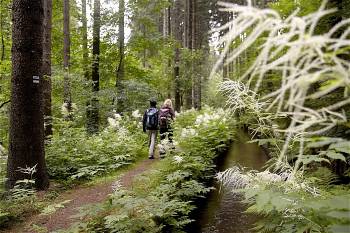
(3, 104)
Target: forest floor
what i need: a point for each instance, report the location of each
(76, 198)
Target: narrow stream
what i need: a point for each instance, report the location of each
(223, 211)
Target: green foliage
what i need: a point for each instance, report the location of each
(73, 155)
(285, 7)
(163, 198)
(19, 201)
(54, 207)
(297, 192)
(295, 211)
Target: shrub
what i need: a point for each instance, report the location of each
(163, 200)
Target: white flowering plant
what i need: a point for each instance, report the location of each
(309, 66)
(74, 156)
(162, 199)
(288, 202)
(209, 127)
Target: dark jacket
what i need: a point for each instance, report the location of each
(144, 121)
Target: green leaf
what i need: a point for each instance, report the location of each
(339, 214)
(334, 155)
(341, 147)
(50, 209)
(263, 199)
(323, 141)
(312, 158)
(279, 203)
(340, 228)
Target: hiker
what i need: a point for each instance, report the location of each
(151, 124)
(166, 117)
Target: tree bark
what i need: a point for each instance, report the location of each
(26, 144)
(165, 23)
(47, 89)
(66, 54)
(120, 67)
(178, 39)
(93, 121)
(2, 57)
(188, 32)
(196, 85)
(169, 21)
(85, 40)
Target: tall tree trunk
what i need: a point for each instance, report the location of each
(120, 67)
(178, 39)
(2, 57)
(195, 41)
(47, 67)
(93, 121)
(188, 32)
(85, 41)
(26, 148)
(160, 22)
(144, 54)
(85, 57)
(165, 22)
(66, 54)
(169, 20)
(169, 33)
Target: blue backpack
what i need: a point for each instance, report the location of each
(152, 119)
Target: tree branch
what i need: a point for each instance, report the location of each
(3, 104)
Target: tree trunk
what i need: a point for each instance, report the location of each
(169, 21)
(26, 144)
(196, 85)
(188, 32)
(47, 67)
(178, 39)
(165, 23)
(86, 65)
(167, 34)
(93, 121)
(120, 67)
(85, 40)
(66, 54)
(2, 57)
(96, 47)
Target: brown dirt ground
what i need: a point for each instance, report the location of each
(81, 196)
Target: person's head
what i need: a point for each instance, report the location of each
(153, 102)
(168, 103)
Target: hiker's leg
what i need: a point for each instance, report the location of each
(162, 132)
(149, 142)
(149, 137)
(170, 134)
(153, 135)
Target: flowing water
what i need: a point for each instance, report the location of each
(223, 211)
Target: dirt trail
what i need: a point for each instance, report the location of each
(62, 218)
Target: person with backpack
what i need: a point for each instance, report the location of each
(166, 117)
(151, 125)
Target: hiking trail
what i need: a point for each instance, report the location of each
(79, 197)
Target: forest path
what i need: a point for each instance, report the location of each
(63, 218)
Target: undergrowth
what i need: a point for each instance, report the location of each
(73, 157)
(303, 120)
(162, 199)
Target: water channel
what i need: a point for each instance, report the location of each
(223, 212)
